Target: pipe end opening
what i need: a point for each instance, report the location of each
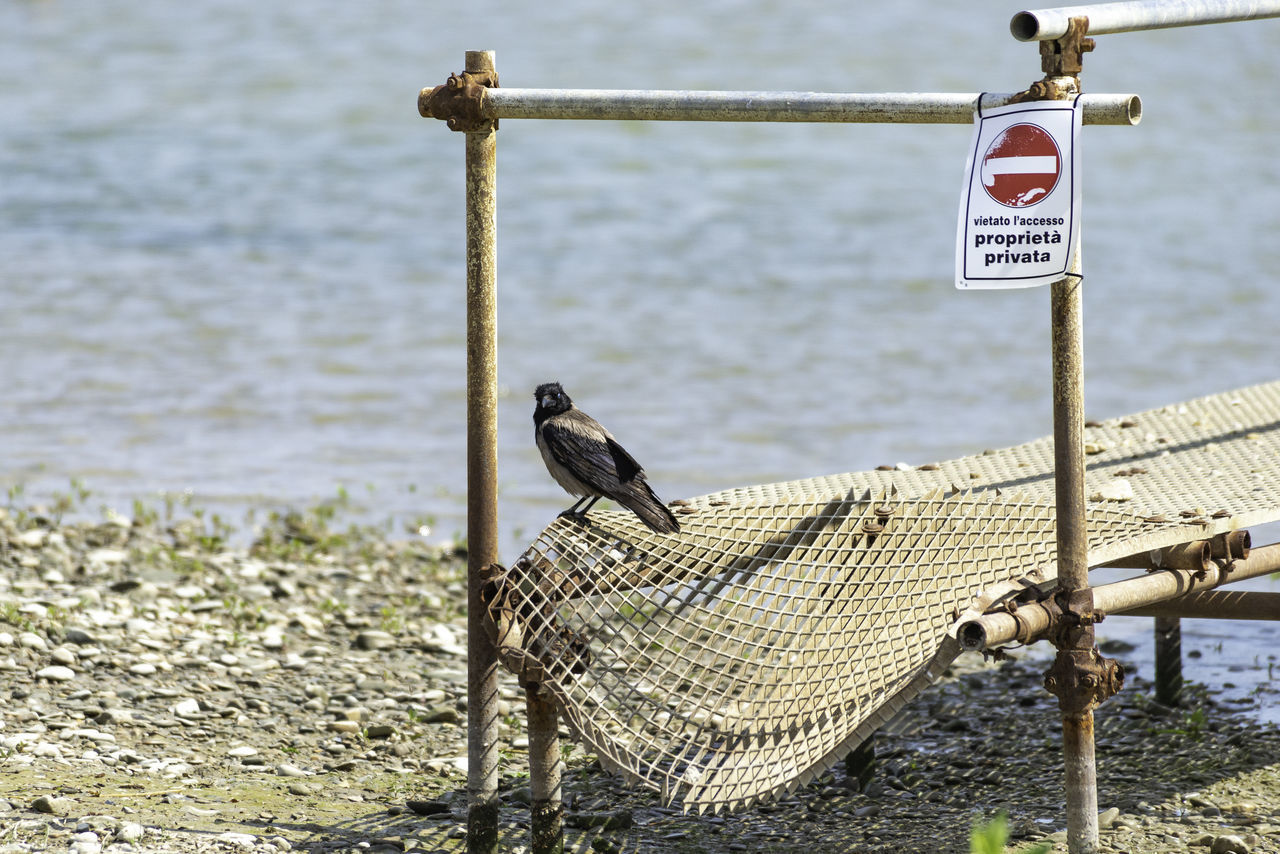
(973, 637)
(1024, 26)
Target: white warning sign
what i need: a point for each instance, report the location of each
(1020, 210)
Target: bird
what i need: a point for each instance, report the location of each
(588, 462)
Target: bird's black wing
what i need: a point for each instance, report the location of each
(624, 463)
(583, 449)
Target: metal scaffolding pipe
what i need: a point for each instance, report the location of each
(1168, 655)
(1045, 24)
(1029, 622)
(1214, 605)
(1196, 555)
(1067, 346)
(1076, 648)
(715, 106)
(482, 473)
(1081, 772)
(546, 813)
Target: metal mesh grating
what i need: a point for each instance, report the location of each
(788, 621)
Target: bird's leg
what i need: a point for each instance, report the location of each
(573, 511)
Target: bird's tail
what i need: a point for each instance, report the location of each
(638, 497)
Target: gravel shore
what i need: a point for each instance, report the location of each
(165, 690)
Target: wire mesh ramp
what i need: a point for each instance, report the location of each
(788, 621)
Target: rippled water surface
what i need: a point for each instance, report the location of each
(232, 250)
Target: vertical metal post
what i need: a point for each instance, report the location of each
(1080, 677)
(482, 473)
(1067, 330)
(547, 811)
(1073, 551)
(1168, 641)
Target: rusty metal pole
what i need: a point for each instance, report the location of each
(1079, 677)
(1068, 429)
(1168, 642)
(1073, 561)
(547, 810)
(482, 469)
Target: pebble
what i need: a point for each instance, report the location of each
(286, 769)
(346, 726)
(443, 715)
(186, 708)
(1229, 844)
(107, 557)
(52, 805)
(80, 637)
(375, 639)
(32, 539)
(130, 831)
(238, 840)
(56, 673)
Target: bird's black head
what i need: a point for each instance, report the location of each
(551, 400)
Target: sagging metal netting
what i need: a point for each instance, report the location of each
(788, 621)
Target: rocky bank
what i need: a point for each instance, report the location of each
(164, 689)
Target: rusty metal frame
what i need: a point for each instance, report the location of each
(459, 100)
(1031, 621)
(455, 101)
(482, 442)
(471, 103)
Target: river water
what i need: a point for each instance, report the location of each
(232, 252)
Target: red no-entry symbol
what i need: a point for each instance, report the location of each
(1021, 166)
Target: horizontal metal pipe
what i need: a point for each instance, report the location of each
(1232, 545)
(1042, 24)
(714, 106)
(1216, 605)
(1031, 621)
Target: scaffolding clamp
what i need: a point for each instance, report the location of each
(1061, 60)
(1064, 57)
(1081, 677)
(459, 101)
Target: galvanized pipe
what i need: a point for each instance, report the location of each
(1214, 605)
(716, 106)
(1080, 765)
(547, 810)
(1067, 345)
(1045, 24)
(482, 475)
(1195, 555)
(1168, 655)
(1030, 622)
